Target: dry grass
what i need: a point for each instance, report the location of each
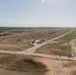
(55, 49)
(22, 42)
(61, 47)
(21, 63)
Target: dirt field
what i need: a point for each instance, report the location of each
(23, 41)
(59, 67)
(59, 47)
(16, 63)
(47, 66)
(21, 63)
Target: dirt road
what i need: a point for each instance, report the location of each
(73, 47)
(33, 49)
(54, 66)
(39, 55)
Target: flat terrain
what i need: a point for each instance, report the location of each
(23, 39)
(38, 52)
(59, 46)
(44, 66)
(22, 63)
(59, 67)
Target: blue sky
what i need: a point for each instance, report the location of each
(38, 13)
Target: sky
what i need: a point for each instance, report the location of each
(38, 13)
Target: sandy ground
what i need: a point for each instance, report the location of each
(56, 67)
(73, 47)
(9, 72)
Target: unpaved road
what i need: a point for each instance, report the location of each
(73, 47)
(39, 55)
(54, 66)
(33, 49)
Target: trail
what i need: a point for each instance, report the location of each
(73, 47)
(33, 49)
(36, 46)
(39, 55)
(55, 69)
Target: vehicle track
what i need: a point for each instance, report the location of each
(31, 51)
(73, 47)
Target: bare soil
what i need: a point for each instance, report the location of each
(53, 66)
(58, 67)
(21, 64)
(23, 40)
